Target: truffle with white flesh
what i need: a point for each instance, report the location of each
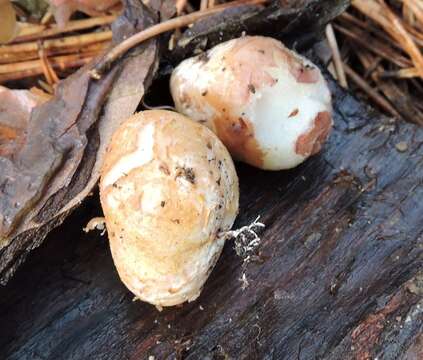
(168, 190)
(270, 106)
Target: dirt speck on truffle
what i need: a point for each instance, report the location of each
(187, 173)
(293, 113)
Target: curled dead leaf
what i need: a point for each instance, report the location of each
(63, 9)
(16, 107)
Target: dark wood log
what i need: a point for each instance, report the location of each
(298, 24)
(337, 276)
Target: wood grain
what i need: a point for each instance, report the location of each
(337, 277)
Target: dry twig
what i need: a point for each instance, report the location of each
(36, 32)
(336, 56)
(373, 94)
(77, 41)
(376, 47)
(158, 29)
(180, 6)
(31, 68)
(400, 74)
(383, 15)
(48, 71)
(415, 9)
(388, 78)
(203, 5)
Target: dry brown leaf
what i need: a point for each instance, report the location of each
(63, 9)
(16, 107)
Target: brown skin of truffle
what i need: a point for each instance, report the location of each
(311, 142)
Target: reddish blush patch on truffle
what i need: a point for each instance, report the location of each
(249, 63)
(311, 142)
(304, 74)
(238, 135)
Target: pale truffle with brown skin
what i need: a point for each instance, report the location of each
(270, 106)
(168, 189)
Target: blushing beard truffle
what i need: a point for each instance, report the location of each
(168, 189)
(270, 106)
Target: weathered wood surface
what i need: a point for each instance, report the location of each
(337, 277)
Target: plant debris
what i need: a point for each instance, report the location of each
(97, 223)
(246, 239)
(246, 243)
(63, 9)
(380, 45)
(16, 107)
